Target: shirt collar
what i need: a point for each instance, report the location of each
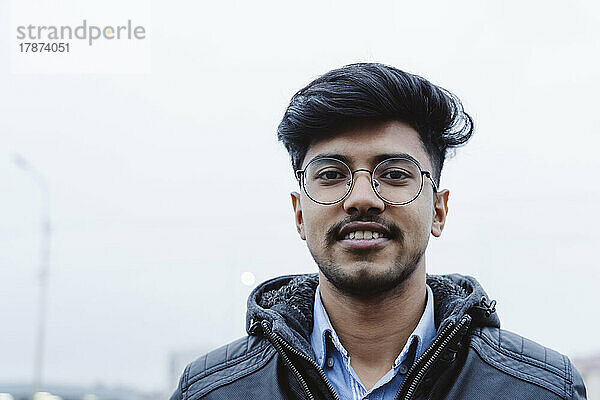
(321, 328)
(423, 333)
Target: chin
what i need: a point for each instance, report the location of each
(364, 280)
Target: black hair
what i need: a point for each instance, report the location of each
(366, 93)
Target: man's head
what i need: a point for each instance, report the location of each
(362, 114)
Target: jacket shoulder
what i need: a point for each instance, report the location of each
(527, 360)
(222, 366)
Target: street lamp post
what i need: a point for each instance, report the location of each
(44, 269)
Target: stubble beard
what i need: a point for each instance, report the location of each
(363, 282)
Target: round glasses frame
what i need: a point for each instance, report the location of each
(301, 178)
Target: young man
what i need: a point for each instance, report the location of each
(367, 144)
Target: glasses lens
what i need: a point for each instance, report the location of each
(398, 180)
(327, 180)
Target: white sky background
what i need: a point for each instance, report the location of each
(166, 186)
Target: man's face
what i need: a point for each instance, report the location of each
(368, 267)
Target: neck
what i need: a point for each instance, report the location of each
(375, 330)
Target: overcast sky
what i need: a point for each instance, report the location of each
(166, 185)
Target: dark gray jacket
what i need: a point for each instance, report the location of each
(470, 358)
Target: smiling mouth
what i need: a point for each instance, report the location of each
(363, 235)
(363, 240)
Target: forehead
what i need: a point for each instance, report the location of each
(364, 144)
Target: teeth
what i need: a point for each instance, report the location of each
(364, 235)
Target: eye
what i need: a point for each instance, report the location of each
(395, 175)
(330, 175)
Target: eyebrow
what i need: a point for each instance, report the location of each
(374, 160)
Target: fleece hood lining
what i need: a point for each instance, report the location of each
(287, 304)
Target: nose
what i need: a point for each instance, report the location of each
(362, 198)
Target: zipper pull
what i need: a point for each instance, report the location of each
(489, 307)
(255, 327)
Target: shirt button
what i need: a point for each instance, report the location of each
(330, 362)
(403, 369)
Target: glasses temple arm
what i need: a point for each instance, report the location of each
(428, 174)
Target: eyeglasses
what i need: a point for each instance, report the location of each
(396, 181)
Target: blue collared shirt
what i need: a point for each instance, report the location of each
(335, 360)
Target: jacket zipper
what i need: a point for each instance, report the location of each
(281, 342)
(437, 347)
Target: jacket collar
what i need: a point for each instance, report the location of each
(287, 303)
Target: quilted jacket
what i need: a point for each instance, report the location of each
(470, 358)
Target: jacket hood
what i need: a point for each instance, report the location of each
(287, 304)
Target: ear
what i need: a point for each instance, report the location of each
(298, 214)
(440, 209)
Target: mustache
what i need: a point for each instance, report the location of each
(394, 232)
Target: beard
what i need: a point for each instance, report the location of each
(363, 282)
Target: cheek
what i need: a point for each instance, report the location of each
(416, 223)
(315, 222)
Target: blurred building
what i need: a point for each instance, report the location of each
(589, 367)
(66, 392)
